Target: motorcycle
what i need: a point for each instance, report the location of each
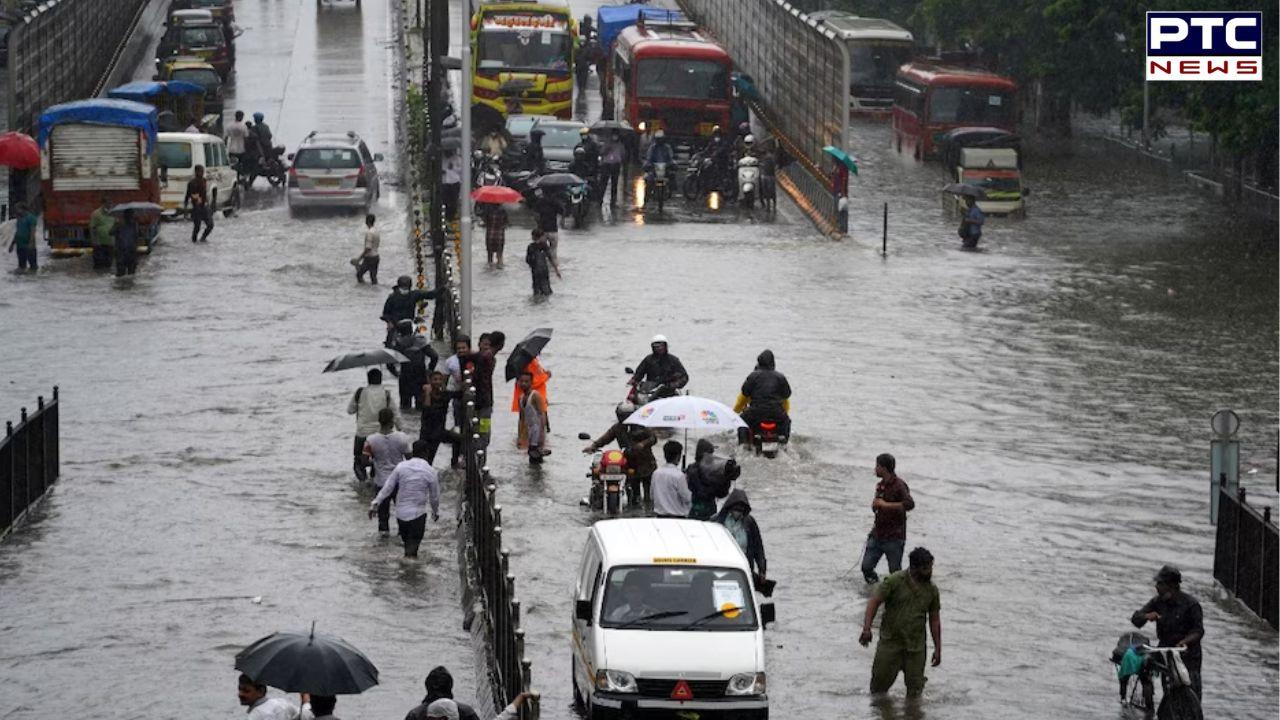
(748, 180)
(656, 186)
(272, 168)
(768, 438)
(608, 473)
(649, 390)
(578, 204)
(485, 170)
(705, 178)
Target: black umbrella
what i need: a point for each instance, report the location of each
(966, 190)
(381, 356)
(556, 180)
(606, 125)
(525, 351)
(308, 663)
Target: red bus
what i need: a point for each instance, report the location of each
(670, 77)
(931, 99)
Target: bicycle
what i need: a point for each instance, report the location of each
(1178, 699)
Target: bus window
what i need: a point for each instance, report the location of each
(523, 50)
(975, 106)
(909, 98)
(680, 78)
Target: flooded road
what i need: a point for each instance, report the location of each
(206, 459)
(1047, 400)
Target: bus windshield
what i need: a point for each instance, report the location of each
(514, 50)
(970, 106)
(875, 63)
(680, 78)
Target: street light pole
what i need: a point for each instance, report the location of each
(464, 190)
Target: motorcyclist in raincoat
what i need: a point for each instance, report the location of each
(766, 395)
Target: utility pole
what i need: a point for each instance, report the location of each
(464, 194)
(1146, 115)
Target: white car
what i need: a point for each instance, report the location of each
(333, 170)
(666, 622)
(178, 154)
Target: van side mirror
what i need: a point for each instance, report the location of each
(583, 436)
(628, 371)
(377, 157)
(582, 610)
(768, 614)
(289, 157)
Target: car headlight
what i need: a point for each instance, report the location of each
(746, 684)
(616, 681)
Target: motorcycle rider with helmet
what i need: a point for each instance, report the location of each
(636, 443)
(402, 304)
(662, 367)
(740, 141)
(720, 150)
(588, 162)
(766, 395)
(659, 152)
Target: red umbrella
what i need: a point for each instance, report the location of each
(496, 194)
(19, 151)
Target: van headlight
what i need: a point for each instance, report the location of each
(746, 684)
(616, 681)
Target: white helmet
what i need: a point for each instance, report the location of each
(658, 339)
(749, 140)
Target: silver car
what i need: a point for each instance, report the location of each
(333, 170)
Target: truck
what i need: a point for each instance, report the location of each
(91, 150)
(996, 171)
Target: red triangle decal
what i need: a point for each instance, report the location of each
(682, 691)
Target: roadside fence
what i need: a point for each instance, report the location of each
(63, 50)
(801, 72)
(486, 562)
(1245, 556)
(29, 462)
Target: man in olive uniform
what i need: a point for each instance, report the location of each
(101, 223)
(908, 598)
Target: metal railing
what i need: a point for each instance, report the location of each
(801, 72)
(29, 462)
(1244, 558)
(487, 563)
(63, 50)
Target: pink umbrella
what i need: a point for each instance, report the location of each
(496, 194)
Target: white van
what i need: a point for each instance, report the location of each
(178, 154)
(666, 621)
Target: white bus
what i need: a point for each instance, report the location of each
(877, 48)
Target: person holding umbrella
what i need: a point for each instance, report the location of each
(319, 667)
(127, 234)
(524, 358)
(495, 233)
(253, 695)
(971, 225)
(415, 484)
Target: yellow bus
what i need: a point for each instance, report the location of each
(522, 55)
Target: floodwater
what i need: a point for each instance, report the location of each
(1047, 399)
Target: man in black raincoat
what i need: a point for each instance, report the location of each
(661, 366)
(422, 360)
(709, 478)
(766, 395)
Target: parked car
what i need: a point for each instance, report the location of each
(333, 170)
(561, 137)
(178, 154)
(518, 126)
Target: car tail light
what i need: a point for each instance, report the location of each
(361, 179)
(293, 177)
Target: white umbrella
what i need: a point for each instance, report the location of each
(688, 413)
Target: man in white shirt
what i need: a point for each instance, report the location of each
(386, 449)
(451, 183)
(368, 260)
(365, 405)
(669, 487)
(415, 484)
(236, 134)
(253, 695)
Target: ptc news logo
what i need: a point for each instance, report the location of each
(1204, 45)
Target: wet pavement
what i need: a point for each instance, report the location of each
(1047, 399)
(206, 460)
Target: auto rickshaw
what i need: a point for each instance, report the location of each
(198, 72)
(178, 104)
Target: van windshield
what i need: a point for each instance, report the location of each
(210, 36)
(664, 597)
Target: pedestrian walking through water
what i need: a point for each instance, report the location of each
(197, 198)
(367, 404)
(910, 599)
(367, 261)
(534, 424)
(495, 234)
(541, 262)
(671, 498)
(1178, 618)
(128, 235)
(415, 486)
(101, 223)
(384, 450)
(439, 685)
(24, 239)
(888, 534)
